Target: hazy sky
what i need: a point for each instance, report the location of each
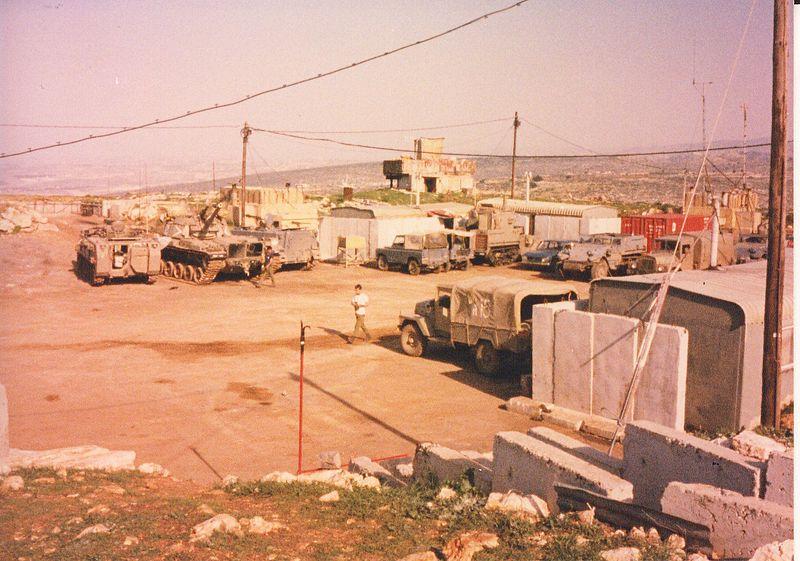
(609, 75)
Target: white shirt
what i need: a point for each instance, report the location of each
(360, 303)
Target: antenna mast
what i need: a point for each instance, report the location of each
(245, 134)
(514, 155)
(744, 146)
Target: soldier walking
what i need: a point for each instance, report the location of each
(269, 255)
(360, 301)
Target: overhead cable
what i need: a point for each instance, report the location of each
(272, 89)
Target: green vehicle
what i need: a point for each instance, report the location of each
(415, 253)
(489, 315)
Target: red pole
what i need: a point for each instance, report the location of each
(300, 424)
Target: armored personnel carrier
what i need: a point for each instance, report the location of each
(497, 236)
(199, 252)
(117, 252)
(296, 246)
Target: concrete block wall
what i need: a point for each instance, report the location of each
(584, 361)
(738, 525)
(780, 478)
(655, 456)
(528, 465)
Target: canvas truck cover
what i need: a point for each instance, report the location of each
(493, 303)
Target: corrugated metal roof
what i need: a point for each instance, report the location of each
(543, 207)
(382, 211)
(743, 285)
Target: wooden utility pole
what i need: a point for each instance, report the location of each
(245, 134)
(773, 302)
(514, 155)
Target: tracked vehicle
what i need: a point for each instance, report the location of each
(199, 253)
(117, 252)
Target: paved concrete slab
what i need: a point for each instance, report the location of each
(739, 525)
(615, 347)
(577, 448)
(654, 456)
(661, 395)
(572, 363)
(600, 427)
(542, 348)
(780, 478)
(530, 466)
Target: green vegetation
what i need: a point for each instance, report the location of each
(396, 197)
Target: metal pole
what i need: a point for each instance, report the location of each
(245, 134)
(514, 155)
(773, 300)
(715, 234)
(303, 328)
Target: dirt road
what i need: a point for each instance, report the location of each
(179, 372)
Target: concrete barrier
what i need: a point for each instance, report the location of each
(739, 525)
(572, 362)
(654, 456)
(577, 448)
(615, 347)
(780, 478)
(542, 348)
(661, 395)
(446, 464)
(530, 466)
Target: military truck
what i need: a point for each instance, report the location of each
(415, 253)
(489, 315)
(295, 245)
(694, 252)
(602, 255)
(117, 252)
(497, 235)
(202, 251)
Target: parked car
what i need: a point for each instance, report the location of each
(544, 256)
(602, 255)
(488, 314)
(415, 253)
(751, 248)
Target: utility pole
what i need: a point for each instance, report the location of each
(773, 301)
(245, 134)
(744, 144)
(514, 155)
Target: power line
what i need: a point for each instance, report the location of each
(273, 89)
(119, 128)
(528, 157)
(459, 125)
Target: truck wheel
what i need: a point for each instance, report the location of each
(413, 267)
(493, 258)
(487, 359)
(600, 269)
(412, 341)
(383, 264)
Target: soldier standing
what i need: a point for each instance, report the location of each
(269, 255)
(360, 301)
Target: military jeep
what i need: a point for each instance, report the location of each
(488, 314)
(602, 255)
(415, 253)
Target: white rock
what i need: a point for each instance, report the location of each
(424, 556)
(230, 480)
(586, 517)
(676, 542)
(224, 523)
(621, 554)
(153, 469)
(445, 494)
(13, 483)
(529, 506)
(653, 537)
(130, 540)
(696, 557)
(6, 225)
(405, 470)
(755, 445)
(99, 509)
(96, 529)
(776, 551)
(331, 497)
(637, 533)
(75, 457)
(279, 477)
(258, 525)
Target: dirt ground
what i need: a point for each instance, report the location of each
(205, 378)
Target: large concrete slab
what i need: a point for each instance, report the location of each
(446, 464)
(654, 456)
(530, 466)
(739, 525)
(661, 395)
(572, 363)
(542, 348)
(577, 448)
(780, 478)
(615, 348)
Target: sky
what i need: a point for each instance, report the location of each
(606, 75)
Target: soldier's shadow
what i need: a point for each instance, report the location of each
(342, 335)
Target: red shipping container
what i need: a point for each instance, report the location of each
(653, 226)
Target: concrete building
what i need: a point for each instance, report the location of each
(546, 220)
(723, 312)
(428, 172)
(377, 224)
(285, 205)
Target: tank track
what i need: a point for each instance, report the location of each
(171, 269)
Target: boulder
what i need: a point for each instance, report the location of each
(153, 469)
(621, 554)
(257, 525)
(526, 506)
(776, 551)
(224, 523)
(331, 497)
(96, 529)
